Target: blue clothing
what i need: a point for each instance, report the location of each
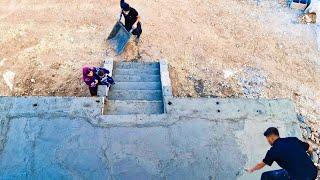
(104, 79)
(290, 154)
(280, 174)
(105, 71)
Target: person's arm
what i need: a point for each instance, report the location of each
(120, 16)
(260, 165)
(135, 13)
(310, 149)
(88, 82)
(138, 20)
(94, 83)
(268, 160)
(135, 25)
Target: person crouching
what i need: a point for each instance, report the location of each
(104, 77)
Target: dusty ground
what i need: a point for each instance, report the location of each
(232, 48)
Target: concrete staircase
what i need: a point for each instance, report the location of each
(137, 89)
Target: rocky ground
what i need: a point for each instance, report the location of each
(228, 49)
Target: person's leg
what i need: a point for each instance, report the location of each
(137, 32)
(280, 174)
(93, 91)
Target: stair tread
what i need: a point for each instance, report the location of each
(137, 71)
(137, 90)
(137, 86)
(129, 65)
(135, 95)
(137, 78)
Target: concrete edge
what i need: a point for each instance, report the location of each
(103, 90)
(165, 82)
(224, 108)
(137, 120)
(31, 106)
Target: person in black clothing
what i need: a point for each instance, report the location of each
(132, 19)
(291, 154)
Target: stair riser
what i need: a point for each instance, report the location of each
(137, 65)
(135, 95)
(137, 89)
(123, 107)
(137, 86)
(145, 78)
(136, 72)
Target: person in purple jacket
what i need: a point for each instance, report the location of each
(91, 79)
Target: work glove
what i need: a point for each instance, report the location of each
(134, 26)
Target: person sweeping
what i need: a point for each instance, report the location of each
(132, 19)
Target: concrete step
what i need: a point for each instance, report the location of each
(137, 86)
(137, 78)
(115, 107)
(153, 71)
(134, 65)
(149, 95)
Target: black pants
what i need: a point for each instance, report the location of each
(138, 30)
(93, 91)
(108, 81)
(280, 174)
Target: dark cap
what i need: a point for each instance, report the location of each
(125, 6)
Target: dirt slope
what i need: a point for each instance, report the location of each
(232, 48)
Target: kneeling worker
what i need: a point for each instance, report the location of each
(291, 154)
(132, 19)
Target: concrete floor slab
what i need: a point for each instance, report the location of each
(67, 138)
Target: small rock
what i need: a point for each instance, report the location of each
(33, 80)
(303, 125)
(309, 131)
(300, 118)
(306, 133)
(315, 157)
(8, 77)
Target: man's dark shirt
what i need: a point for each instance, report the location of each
(290, 154)
(130, 19)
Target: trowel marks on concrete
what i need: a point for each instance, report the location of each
(69, 141)
(60, 149)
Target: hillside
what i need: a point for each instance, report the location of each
(227, 49)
